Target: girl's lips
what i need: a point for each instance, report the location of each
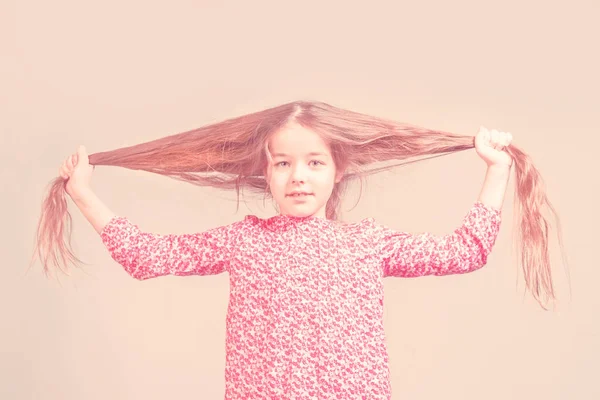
(300, 199)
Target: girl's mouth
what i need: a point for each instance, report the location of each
(300, 195)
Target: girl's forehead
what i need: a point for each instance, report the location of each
(297, 140)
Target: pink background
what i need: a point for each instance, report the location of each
(115, 73)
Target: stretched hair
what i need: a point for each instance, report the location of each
(234, 154)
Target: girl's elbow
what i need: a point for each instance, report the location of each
(459, 266)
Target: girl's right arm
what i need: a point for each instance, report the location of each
(94, 210)
(147, 255)
(77, 171)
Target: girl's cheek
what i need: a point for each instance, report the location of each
(279, 180)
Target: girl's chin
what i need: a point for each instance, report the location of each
(299, 212)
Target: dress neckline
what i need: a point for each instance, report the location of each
(283, 222)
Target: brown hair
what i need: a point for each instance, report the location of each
(233, 154)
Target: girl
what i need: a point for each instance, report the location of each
(305, 315)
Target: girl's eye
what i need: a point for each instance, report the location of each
(281, 162)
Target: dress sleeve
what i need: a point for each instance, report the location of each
(146, 255)
(465, 250)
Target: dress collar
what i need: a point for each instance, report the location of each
(284, 222)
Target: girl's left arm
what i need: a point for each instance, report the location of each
(403, 254)
(494, 186)
(490, 146)
(467, 248)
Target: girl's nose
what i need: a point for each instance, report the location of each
(298, 175)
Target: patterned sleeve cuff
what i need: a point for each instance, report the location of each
(484, 222)
(113, 226)
(493, 211)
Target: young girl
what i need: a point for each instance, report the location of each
(305, 315)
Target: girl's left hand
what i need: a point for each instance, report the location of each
(490, 147)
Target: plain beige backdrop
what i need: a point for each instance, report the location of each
(116, 73)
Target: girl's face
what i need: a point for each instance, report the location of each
(302, 162)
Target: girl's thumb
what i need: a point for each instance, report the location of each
(83, 154)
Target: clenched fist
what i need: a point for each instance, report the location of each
(490, 147)
(77, 171)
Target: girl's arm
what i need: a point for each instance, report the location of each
(93, 209)
(410, 255)
(494, 186)
(146, 255)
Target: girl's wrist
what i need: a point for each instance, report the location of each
(502, 168)
(82, 195)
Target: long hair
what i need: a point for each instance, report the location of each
(234, 154)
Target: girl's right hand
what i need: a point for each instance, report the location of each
(77, 171)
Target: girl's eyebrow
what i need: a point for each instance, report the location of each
(313, 153)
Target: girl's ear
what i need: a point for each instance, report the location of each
(338, 176)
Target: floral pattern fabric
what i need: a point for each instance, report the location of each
(305, 312)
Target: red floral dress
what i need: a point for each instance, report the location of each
(305, 313)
